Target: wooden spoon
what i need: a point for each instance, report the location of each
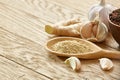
(96, 52)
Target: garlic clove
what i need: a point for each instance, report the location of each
(74, 63)
(102, 32)
(86, 30)
(106, 64)
(100, 29)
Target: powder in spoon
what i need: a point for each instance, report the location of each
(71, 47)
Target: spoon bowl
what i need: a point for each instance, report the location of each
(96, 52)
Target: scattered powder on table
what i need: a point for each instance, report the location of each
(71, 47)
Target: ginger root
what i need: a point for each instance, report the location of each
(65, 28)
(95, 31)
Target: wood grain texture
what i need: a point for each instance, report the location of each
(22, 39)
(9, 70)
(84, 6)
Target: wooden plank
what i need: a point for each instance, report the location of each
(34, 8)
(84, 6)
(12, 71)
(23, 38)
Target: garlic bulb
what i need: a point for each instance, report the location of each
(103, 9)
(95, 31)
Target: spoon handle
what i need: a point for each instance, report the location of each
(111, 54)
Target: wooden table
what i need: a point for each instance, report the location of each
(22, 40)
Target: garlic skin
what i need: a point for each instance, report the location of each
(74, 63)
(106, 64)
(103, 9)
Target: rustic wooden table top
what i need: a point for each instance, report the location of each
(22, 40)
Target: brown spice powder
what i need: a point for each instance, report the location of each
(115, 17)
(71, 47)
